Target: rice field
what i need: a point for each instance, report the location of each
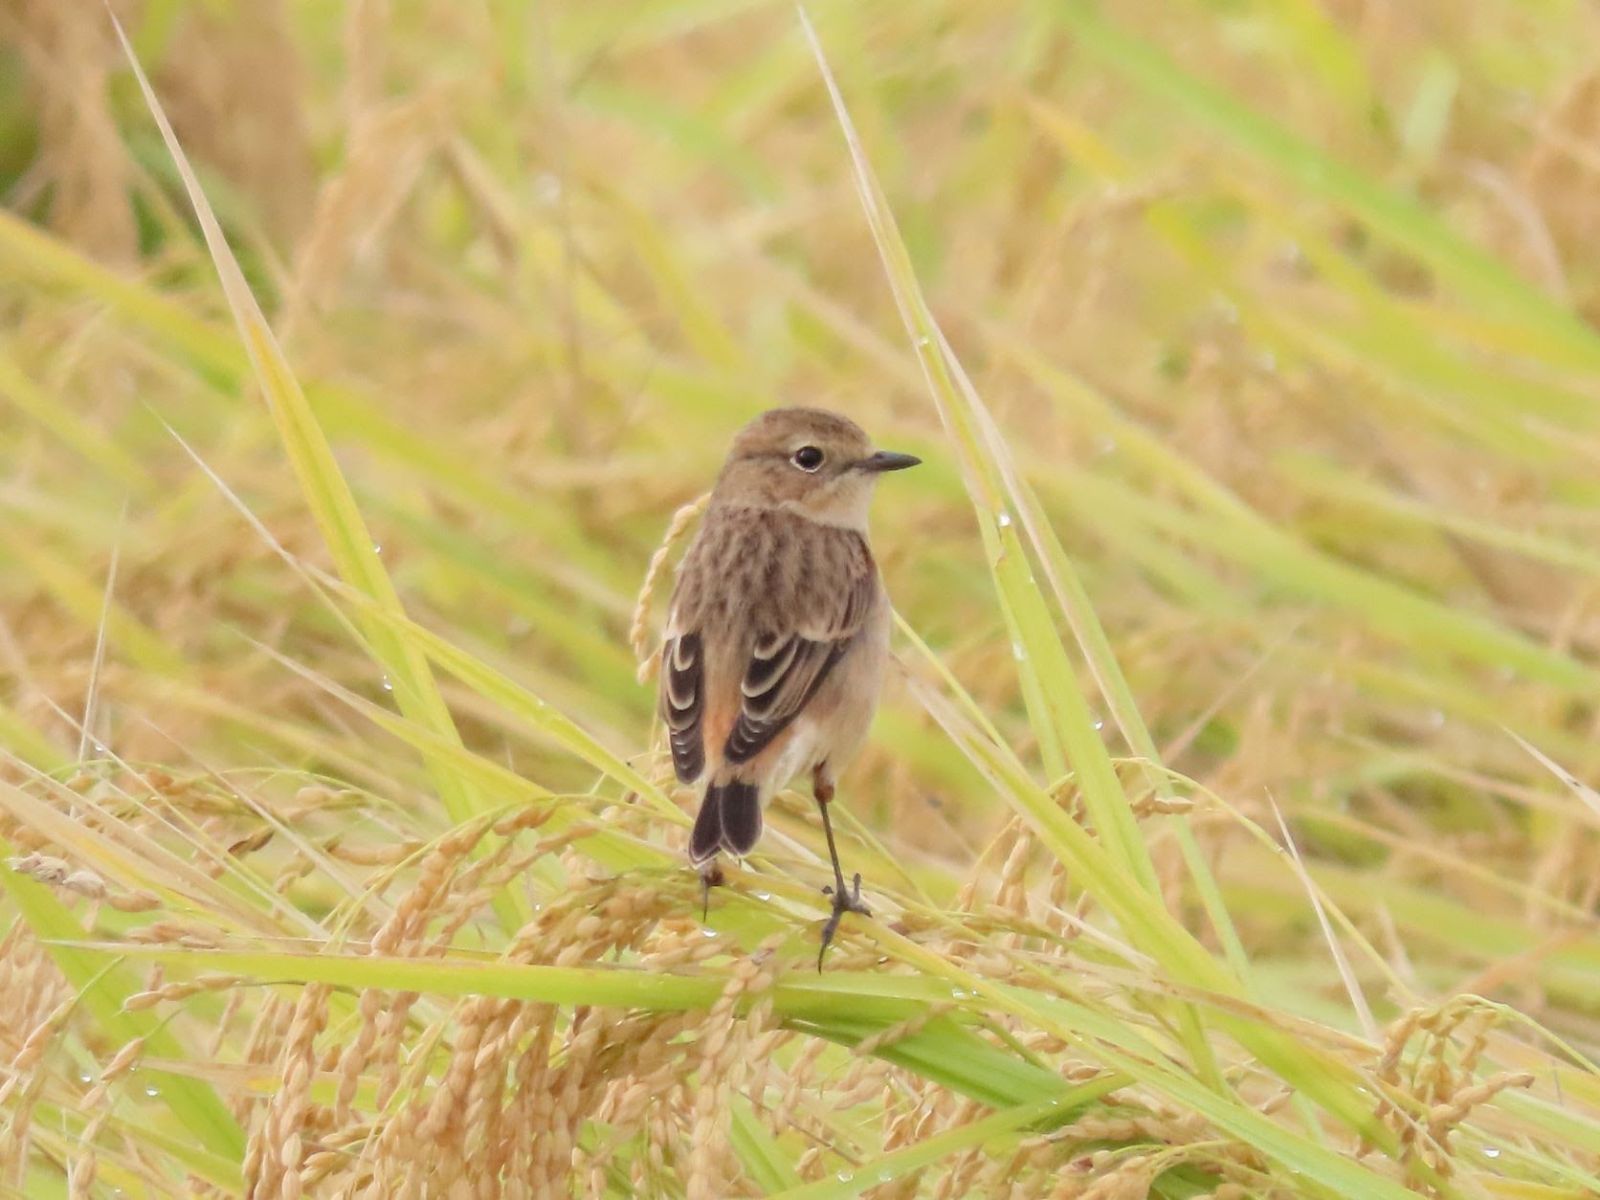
(1228, 824)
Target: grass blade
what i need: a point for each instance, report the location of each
(321, 482)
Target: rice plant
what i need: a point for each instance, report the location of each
(1228, 825)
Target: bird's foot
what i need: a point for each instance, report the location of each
(710, 876)
(844, 900)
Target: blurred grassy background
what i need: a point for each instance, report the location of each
(1285, 311)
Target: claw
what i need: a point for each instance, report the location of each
(710, 876)
(843, 901)
(828, 931)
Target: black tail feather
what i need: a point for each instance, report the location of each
(707, 835)
(741, 817)
(729, 819)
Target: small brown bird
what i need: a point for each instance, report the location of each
(778, 632)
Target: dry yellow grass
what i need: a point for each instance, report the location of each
(1282, 315)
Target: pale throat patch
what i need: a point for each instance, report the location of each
(845, 508)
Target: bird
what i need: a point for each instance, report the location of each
(777, 634)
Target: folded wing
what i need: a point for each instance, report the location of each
(683, 702)
(786, 667)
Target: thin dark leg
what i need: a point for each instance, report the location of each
(833, 851)
(844, 900)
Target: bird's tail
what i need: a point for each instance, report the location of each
(730, 819)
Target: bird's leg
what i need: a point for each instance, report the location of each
(710, 877)
(844, 899)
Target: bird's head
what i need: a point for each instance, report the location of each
(807, 461)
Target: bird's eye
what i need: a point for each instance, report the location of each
(807, 458)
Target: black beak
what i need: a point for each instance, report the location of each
(888, 460)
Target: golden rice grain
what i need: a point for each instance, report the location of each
(639, 626)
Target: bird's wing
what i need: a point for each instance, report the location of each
(787, 665)
(683, 702)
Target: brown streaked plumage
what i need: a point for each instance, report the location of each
(778, 631)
